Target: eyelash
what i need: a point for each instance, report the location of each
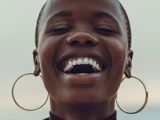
(108, 31)
(59, 30)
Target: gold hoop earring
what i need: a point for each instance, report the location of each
(15, 101)
(145, 101)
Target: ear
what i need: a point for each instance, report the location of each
(128, 65)
(36, 62)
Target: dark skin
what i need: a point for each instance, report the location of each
(72, 28)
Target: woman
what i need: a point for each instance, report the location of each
(83, 48)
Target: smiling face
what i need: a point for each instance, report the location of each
(82, 50)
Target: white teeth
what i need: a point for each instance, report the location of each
(85, 61)
(82, 74)
(78, 61)
(70, 62)
(90, 61)
(74, 62)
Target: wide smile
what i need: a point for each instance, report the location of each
(82, 69)
(81, 64)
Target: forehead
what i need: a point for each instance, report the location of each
(85, 6)
(55, 4)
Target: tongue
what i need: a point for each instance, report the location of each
(78, 69)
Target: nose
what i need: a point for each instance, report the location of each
(82, 39)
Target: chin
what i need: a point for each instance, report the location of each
(83, 98)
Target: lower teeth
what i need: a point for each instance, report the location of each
(82, 73)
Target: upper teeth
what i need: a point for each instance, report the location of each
(82, 61)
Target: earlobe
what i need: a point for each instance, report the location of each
(36, 62)
(128, 66)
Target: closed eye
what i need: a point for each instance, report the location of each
(58, 30)
(108, 31)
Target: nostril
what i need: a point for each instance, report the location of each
(74, 42)
(89, 43)
(82, 42)
(81, 39)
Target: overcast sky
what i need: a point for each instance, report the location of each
(17, 25)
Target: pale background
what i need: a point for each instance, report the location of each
(17, 25)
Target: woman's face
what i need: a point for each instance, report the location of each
(82, 50)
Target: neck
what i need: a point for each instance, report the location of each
(83, 112)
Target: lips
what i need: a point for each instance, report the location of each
(81, 64)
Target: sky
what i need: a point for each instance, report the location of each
(17, 26)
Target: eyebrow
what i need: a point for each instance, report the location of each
(96, 14)
(102, 14)
(59, 14)
(62, 14)
(69, 14)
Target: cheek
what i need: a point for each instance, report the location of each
(47, 48)
(118, 54)
(117, 51)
